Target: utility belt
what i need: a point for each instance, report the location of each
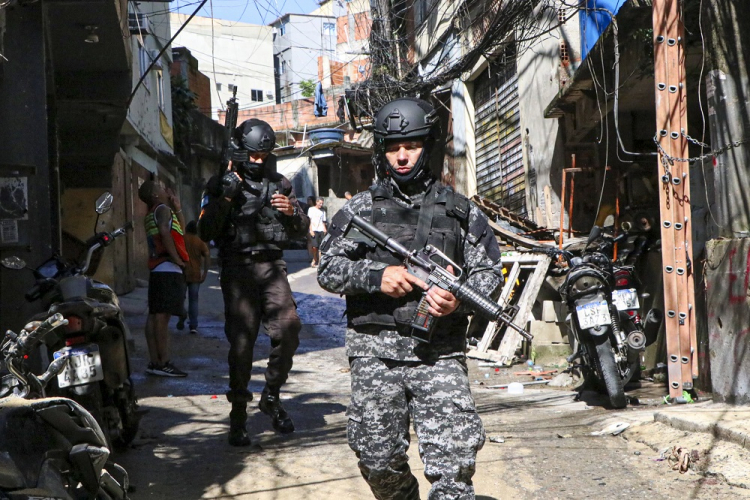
(370, 329)
(235, 259)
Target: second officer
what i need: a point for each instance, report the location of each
(251, 213)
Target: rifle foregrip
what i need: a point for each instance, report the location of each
(478, 302)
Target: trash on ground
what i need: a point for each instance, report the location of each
(613, 429)
(505, 386)
(680, 458)
(563, 379)
(515, 388)
(497, 439)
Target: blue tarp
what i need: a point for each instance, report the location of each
(594, 22)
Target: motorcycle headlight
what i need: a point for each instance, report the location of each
(585, 283)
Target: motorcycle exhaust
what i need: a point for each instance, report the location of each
(652, 325)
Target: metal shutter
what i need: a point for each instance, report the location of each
(500, 172)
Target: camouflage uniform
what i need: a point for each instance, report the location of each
(397, 379)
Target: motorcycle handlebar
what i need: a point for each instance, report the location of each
(104, 239)
(554, 252)
(28, 340)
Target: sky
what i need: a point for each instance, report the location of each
(246, 11)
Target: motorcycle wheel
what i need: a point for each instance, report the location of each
(94, 404)
(608, 372)
(131, 420)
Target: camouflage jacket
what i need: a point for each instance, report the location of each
(342, 270)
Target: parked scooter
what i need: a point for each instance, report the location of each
(49, 447)
(94, 341)
(607, 333)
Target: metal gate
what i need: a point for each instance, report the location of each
(500, 172)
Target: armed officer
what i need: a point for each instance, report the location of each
(395, 377)
(251, 213)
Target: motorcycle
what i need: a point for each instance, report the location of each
(50, 447)
(607, 333)
(94, 341)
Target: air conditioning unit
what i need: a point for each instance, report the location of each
(269, 94)
(138, 23)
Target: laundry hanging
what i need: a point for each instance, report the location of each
(321, 106)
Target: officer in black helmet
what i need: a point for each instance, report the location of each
(396, 378)
(251, 213)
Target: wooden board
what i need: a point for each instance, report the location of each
(491, 331)
(548, 206)
(512, 237)
(512, 339)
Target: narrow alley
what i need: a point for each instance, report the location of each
(539, 444)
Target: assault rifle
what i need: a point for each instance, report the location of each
(230, 123)
(420, 263)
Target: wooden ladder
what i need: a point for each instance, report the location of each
(535, 264)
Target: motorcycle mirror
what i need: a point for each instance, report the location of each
(104, 202)
(13, 262)
(596, 231)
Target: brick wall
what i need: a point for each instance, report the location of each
(362, 25)
(292, 115)
(342, 26)
(197, 82)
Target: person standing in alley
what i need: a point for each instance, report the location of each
(166, 262)
(318, 228)
(251, 213)
(396, 378)
(195, 272)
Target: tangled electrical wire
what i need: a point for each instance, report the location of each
(490, 25)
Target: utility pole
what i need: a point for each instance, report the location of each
(726, 26)
(674, 197)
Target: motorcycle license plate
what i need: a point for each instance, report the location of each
(84, 366)
(593, 314)
(625, 299)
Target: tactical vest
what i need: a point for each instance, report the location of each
(444, 213)
(254, 223)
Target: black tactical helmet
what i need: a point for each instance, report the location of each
(255, 135)
(404, 119)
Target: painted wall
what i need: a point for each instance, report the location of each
(303, 41)
(230, 52)
(728, 300)
(539, 78)
(24, 156)
(150, 112)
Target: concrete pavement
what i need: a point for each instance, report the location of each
(539, 444)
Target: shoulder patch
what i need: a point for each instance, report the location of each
(458, 206)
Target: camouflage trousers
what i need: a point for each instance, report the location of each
(386, 396)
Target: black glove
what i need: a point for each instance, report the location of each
(213, 186)
(230, 185)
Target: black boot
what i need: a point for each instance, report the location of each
(271, 406)
(237, 420)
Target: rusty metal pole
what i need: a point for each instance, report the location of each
(562, 206)
(674, 195)
(570, 205)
